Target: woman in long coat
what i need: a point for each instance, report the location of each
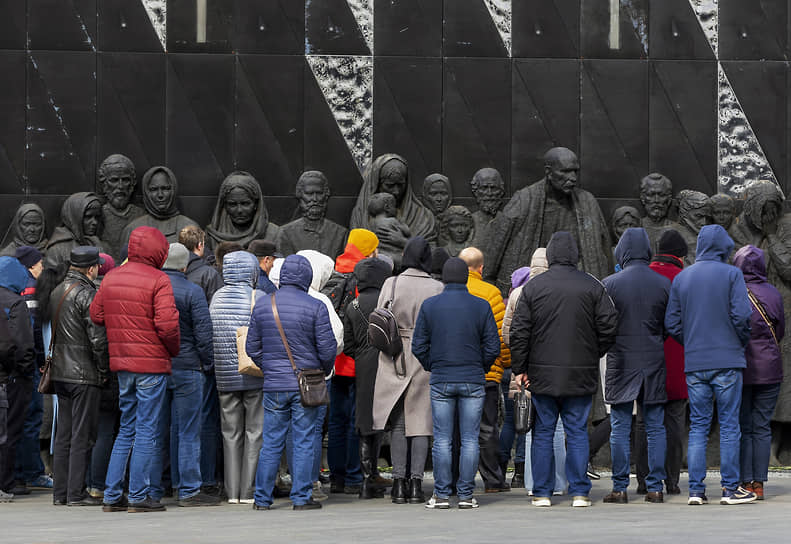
(402, 396)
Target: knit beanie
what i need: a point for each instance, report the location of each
(455, 271)
(672, 243)
(178, 257)
(27, 255)
(109, 264)
(364, 240)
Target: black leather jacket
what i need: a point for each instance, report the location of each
(80, 346)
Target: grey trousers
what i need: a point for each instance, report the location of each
(241, 423)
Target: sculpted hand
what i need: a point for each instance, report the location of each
(391, 236)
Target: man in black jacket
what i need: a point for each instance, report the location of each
(198, 270)
(564, 323)
(81, 365)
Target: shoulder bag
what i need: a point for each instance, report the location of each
(524, 413)
(45, 385)
(384, 334)
(312, 387)
(762, 311)
(246, 365)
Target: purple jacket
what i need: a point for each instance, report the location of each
(764, 359)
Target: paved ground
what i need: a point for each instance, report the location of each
(502, 518)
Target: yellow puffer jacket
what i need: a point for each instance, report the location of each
(491, 294)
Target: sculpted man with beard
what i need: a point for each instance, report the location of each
(488, 189)
(656, 195)
(117, 182)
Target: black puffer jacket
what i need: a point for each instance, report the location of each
(637, 360)
(79, 353)
(21, 355)
(205, 276)
(563, 324)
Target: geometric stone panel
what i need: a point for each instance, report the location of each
(708, 14)
(199, 25)
(546, 29)
(754, 29)
(12, 24)
(12, 121)
(127, 25)
(471, 31)
(619, 35)
(61, 24)
(675, 33)
(332, 27)
(271, 27)
(408, 28)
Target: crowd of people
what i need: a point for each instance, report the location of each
(176, 374)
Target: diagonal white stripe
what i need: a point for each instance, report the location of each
(500, 11)
(157, 12)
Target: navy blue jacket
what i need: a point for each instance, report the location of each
(637, 359)
(196, 351)
(456, 336)
(13, 277)
(709, 312)
(264, 283)
(306, 324)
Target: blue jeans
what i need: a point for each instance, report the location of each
(343, 445)
(574, 413)
(621, 420)
(322, 413)
(141, 398)
(283, 409)
(103, 449)
(758, 405)
(508, 432)
(559, 449)
(210, 431)
(446, 400)
(705, 387)
(181, 420)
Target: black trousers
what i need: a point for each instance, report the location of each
(489, 439)
(75, 435)
(19, 392)
(675, 427)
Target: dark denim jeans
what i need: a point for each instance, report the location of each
(758, 405)
(103, 449)
(210, 438)
(508, 432)
(283, 409)
(574, 412)
(446, 400)
(141, 399)
(705, 387)
(343, 445)
(621, 419)
(559, 448)
(28, 457)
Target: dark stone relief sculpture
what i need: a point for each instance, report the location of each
(723, 210)
(656, 195)
(382, 215)
(694, 211)
(488, 189)
(81, 217)
(116, 176)
(29, 228)
(623, 218)
(457, 229)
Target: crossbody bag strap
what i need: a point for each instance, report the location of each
(760, 308)
(57, 316)
(389, 304)
(356, 306)
(283, 334)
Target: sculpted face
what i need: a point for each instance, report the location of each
(562, 174)
(438, 197)
(625, 222)
(118, 186)
(31, 227)
(92, 219)
(313, 201)
(160, 191)
(769, 215)
(656, 196)
(240, 207)
(392, 179)
(489, 193)
(722, 213)
(459, 229)
(696, 218)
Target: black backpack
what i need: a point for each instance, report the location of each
(384, 334)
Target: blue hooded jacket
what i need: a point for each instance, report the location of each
(709, 311)
(13, 279)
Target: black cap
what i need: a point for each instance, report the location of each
(27, 255)
(672, 243)
(262, 248)
(455, 271)
(85, 257)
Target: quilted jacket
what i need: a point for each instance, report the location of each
(306, 324)
(230, 309)
(135, 304)
(491, 294)
(196, 351)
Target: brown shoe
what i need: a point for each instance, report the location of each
(617, 497)
(758, 489)
(654, 496)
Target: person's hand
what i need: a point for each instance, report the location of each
(522, 380)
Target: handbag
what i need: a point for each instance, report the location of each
(524, 413)
(312, 386)
(762, 311)
(45, 385)
(246, 365)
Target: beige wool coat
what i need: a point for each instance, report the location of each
(412, 288)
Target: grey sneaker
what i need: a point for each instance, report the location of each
(318, 493)
(437, 503)
(6, 497)
(465, 504)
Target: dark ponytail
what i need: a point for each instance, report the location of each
(46, 283)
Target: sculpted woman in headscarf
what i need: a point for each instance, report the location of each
(159, 187)
(389, 174)
(240, 214)
(81, 216)
(29, 228)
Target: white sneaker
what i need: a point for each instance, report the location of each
(6, 497)
(233, 501)
(246, 501)
(468, 503)
(436, 503)
(542, 501)
(580, 501)
(318, 493)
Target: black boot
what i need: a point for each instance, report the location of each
(416, 495)
(370, 489)
(518, 481)
(398, 493)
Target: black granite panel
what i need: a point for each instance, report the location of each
(408, 27)
(183, 33)
(545, 114)
(675, 33)
(12, 121)
(200, 120)
(273, 27)
(683, 123)
(477, 119)
(754, 29)
(546, 29)
(632, 27)
(761, 90)
(614, 127)
(325, 147)
(61, 24)
(408, 113)
(269, 130)
(61, 125)
(131, 108)
(12, 24)
(470, 30)
(126, 26)
(331, 29)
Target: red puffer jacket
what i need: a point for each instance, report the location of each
(135, 304)
(675, 379)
